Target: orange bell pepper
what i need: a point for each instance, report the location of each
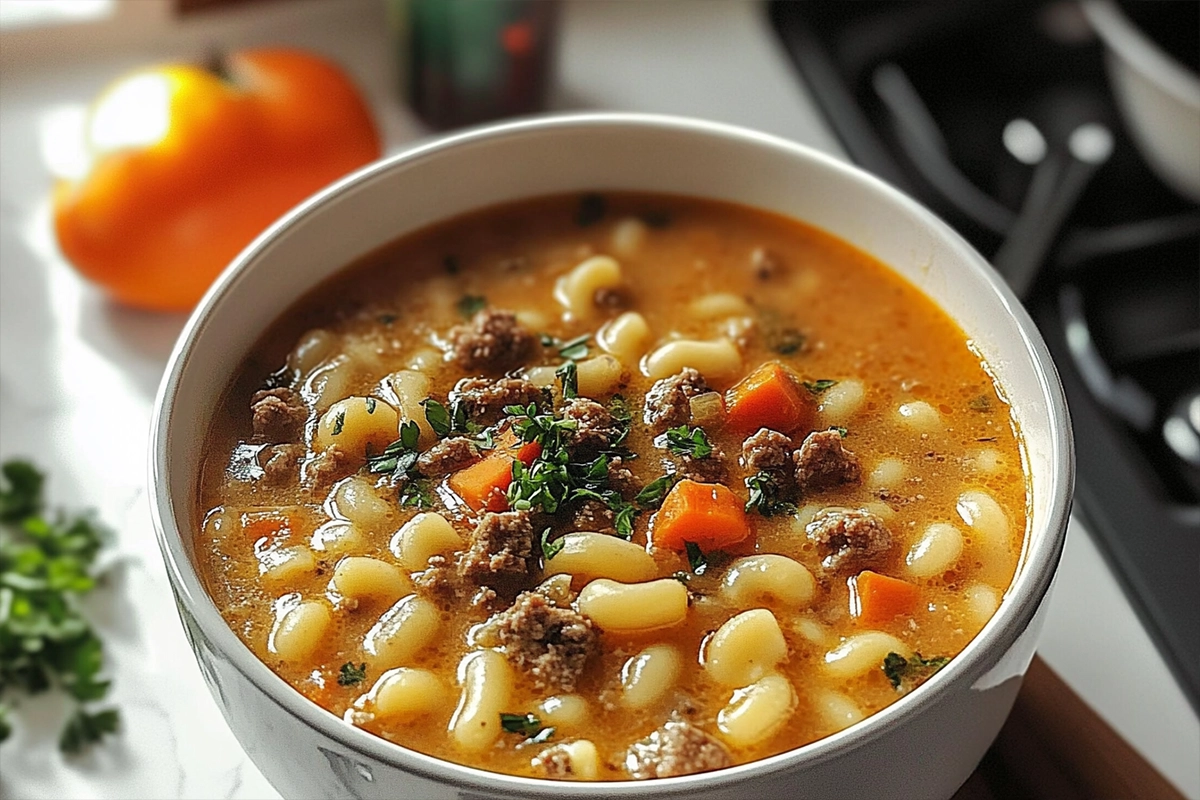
(768, 398)
(708, 515)
(190, 164)
(876, 599)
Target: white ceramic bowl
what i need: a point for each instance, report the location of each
(924, 745)
(1159, 98)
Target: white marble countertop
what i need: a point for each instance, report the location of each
(78, 376)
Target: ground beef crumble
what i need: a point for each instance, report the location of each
(550, 645)
(595, 428)
(328, 467)
(710, 469)
(667, 402)
(448, 455)
(769, 452)
(677, 748)
(823, 463)
(849, 540)
(280, 463)
(555, 762)
(500, 553)
(277, 415)
(483, 399)
(493, 341)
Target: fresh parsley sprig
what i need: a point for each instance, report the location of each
(764, 496)
(46, 566)
(905, 672)
(352, 674)
(688, 441)
(527, 725)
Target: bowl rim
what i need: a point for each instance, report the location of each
(1021, 600)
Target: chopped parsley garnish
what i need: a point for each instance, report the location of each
(982, 403)
(370, 404)
(438, 417)
(553, 480)
(779, 334)
(339, 422)
(696, 558)
(524, 724)
(568, 376)
(900, 670)
(400, 457)
(550, 548)
(471, 304)
(689, 441)
(592, 208)
(842, 430)
(764, 496)
(46, 567)
(787, 341)
(817, 387)
(651, 496)
(352, 674)
(575, 349)
(416, 494)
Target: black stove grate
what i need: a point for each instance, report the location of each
(976, 107)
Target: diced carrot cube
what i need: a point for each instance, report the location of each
(877, 599)
(483, 485)
(708, 515)
(257, 524)
(768, 398)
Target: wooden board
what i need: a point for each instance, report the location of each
(1054, 747)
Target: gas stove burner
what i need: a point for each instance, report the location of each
(999, 117)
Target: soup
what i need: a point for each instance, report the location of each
(614, 487)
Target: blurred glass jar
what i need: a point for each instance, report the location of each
(470, 61)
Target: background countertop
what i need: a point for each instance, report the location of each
(78, 376)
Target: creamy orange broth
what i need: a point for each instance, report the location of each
(859, 321)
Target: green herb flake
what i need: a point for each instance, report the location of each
(550, 548)
(352, 674)
(982, 404)
(764, 496)
(84, 729)
(651, 496)
(696, 558)
(339, 422)
(592, 208)
(819, 386)
(370, 403)
(471, 304)
(905, 673)
(576, 348)
(787, 341)
(689, 441)
(842, 430)
(524, 724)
(568, 376)
(416, 494)
(46, 567)
(438, 417)
(400, 457)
